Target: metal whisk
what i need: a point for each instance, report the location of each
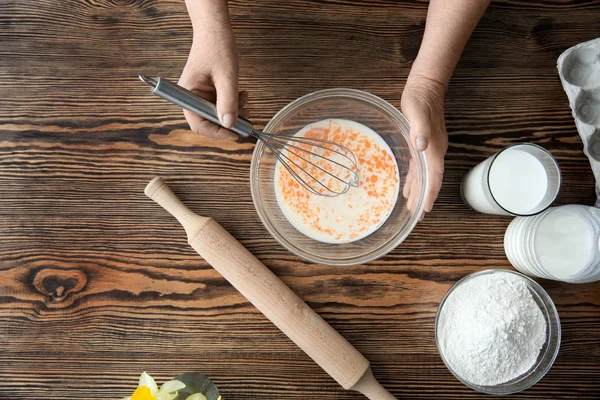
(302, 157)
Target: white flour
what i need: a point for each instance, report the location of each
(491, 330)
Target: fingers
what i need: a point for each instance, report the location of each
(412, 190)
(435, 177)
(423, 106)
(415, 190)
(226, 84)
(207, 128)
(198, 83)
(200, 86)
(418, 114)
(410, 176)
(199, 124)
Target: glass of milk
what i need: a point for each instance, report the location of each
(522, 179)
(561, 243)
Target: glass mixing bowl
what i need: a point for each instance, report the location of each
(368, 110)
(547, 354)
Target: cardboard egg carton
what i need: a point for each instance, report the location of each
(579, 71)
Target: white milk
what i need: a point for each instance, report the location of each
(518, 183)
(356, 213)
(562, 243)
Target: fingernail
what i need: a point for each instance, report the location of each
(228, 120)
(421, 143)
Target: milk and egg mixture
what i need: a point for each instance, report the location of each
(358, 212)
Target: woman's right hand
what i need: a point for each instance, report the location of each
(211, 71)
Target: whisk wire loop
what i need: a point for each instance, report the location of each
(287, 147)
(282, 147)
(284, 161)
(310, 141)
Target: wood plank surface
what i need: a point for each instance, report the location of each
(97, 283)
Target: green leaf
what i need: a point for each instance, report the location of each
(197, 383)
(197, 396)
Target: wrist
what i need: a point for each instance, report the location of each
(431, 68)
(212, 15)
(424, 81)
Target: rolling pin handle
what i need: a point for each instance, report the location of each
(162, 194)
(372, 389)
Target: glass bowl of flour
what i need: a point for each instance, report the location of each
(498, 331)
(364, 223)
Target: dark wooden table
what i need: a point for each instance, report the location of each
(98, 283)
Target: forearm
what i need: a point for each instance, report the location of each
(448, 27)
(208, 14)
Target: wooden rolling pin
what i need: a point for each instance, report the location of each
(272, 297)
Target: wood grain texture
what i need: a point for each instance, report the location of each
(99, 284)
(276, 301)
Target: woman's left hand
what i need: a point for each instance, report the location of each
(423, 106)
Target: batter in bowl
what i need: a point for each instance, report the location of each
(358, 212)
